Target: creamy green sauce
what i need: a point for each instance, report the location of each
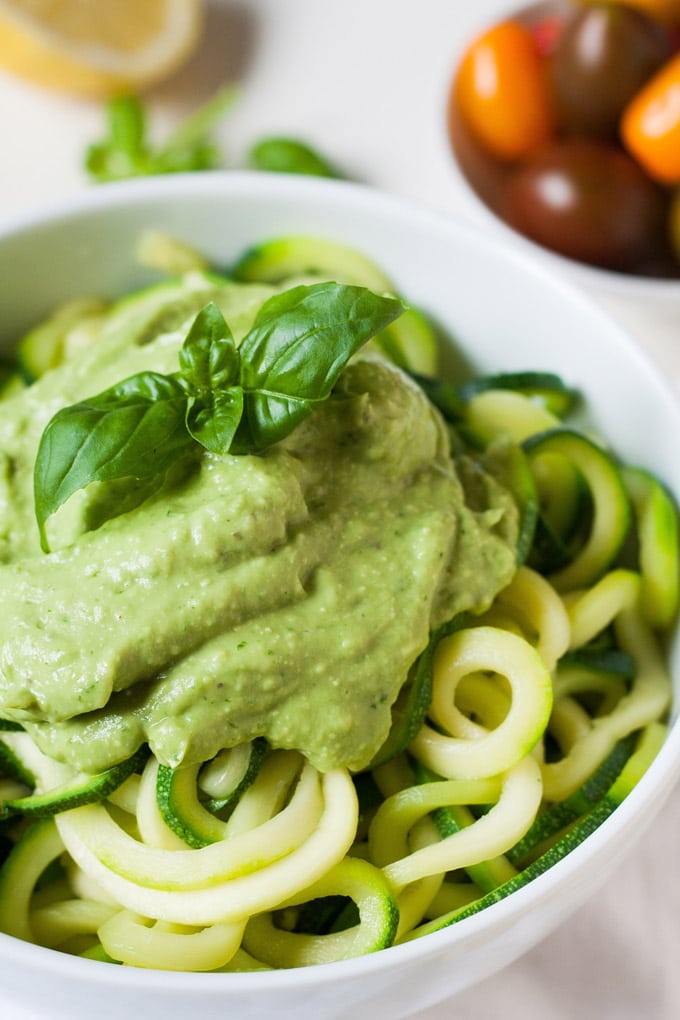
(285, 594)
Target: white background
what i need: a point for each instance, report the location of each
(366, 81)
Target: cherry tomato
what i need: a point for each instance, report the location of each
(589, 201)
(650, 126)
(547, 32)
(660, 10)
(603, 57)
(674, 223)
(501, 92)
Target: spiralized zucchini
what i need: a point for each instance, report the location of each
(523, 729)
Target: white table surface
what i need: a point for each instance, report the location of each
(365, 81)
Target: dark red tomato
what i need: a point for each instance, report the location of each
(589, 201)
(601, 59)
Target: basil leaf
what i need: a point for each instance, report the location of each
(214, 419)
(134, 429)
(228, 400)
(208, 358)
(297, 347)
(289, 156)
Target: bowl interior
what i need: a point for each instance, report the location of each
(503, 312)
(484, 180)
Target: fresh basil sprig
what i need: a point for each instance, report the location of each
(126, 151)
(227, 399)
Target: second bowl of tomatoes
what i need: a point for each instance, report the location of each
(564, 119)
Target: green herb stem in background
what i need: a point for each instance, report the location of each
(227, 399)
(289, 156)
(126, 151)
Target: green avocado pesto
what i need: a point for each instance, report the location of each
(284, 594)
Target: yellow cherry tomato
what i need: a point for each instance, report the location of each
(650, 126)
(501, 92)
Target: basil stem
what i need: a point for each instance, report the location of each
(125, 151)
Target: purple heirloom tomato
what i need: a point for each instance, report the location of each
(602, 58)
(589, 201)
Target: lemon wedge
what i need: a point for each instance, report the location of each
(94, 48)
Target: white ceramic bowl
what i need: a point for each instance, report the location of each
(481, 182)
(507, 312)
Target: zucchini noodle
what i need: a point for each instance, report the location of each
(540, 612)
(378, 916)
(647, 700)
(569, 721)
(414, 900)
(39, 846)
(388, 836)
(521, 727)
(576, 680)
(139, 942)
(492, 834)
(461, 751)
(223, 893)
(593, 610)
(54, 924)
(143, 805)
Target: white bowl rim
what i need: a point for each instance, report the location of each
(662, 774)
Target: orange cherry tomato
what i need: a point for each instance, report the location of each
(650, 126)
(501, 92)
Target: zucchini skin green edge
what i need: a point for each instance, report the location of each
(649, 743)
(567, 812)
(578, 834)
(547, 860)
(172, 806)
(74, 794)
(409, 714)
